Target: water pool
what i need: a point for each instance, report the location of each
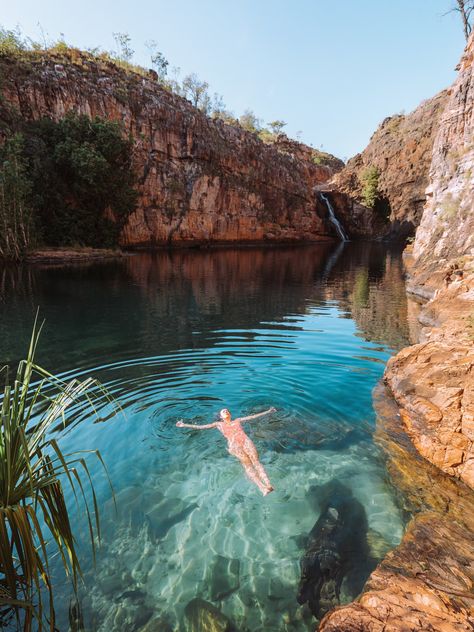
(181, 335)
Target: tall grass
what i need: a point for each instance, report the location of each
(34, 519)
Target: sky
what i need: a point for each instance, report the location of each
(333, 70)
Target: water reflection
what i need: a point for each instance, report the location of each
(179, 300)
(183, 334)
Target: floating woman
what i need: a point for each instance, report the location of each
(240, 445)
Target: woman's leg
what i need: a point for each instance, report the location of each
(251, 452)
(249, 469)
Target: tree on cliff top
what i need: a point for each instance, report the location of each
(465, 8)
(250, 122)
(125, 50)
(277, 126)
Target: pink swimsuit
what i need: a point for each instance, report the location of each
(235, 435)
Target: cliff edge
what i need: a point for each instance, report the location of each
(427, 431)
(200, 180)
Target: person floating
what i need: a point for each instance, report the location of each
(240, 445)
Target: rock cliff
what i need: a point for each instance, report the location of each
(433, 381)
(427, 582)
(400, 151)
(200, 180)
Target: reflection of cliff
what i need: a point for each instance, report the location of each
(204, 291)
(367, 280)
(150, 304)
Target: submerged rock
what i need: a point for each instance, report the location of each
(224, 578)
(202, 616)
(166, 515)
(336, 549)
(378, 545)
(426, 583)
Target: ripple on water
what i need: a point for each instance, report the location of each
(188, 522)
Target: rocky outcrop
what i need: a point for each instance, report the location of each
(200, 180)
(400, 150)
(433, 381)
(427, 582)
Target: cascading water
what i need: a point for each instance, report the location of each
(332, 216)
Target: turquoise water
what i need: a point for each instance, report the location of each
(181, 335)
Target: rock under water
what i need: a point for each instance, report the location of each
(337, 549)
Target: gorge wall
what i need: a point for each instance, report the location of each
(400, 150)
(433, 381)
(200, 180)
(427, 429)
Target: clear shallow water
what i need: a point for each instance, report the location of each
(181, 335)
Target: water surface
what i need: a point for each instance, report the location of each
(181, 335)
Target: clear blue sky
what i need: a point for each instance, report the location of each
(332, 69)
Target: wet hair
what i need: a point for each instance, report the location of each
(224, 412)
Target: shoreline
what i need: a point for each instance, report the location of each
(424, 428)
(425, 583)
(70, 255)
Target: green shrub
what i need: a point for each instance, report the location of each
(321, 157)
(15, 199)
(11, 42)
(370, 186)
(81, 176)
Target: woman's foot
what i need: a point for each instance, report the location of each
(267, 490)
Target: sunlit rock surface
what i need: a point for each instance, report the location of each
(433, 381)
(400, 150)
(200, 181)
(427, 582)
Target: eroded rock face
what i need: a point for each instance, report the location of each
(200, 180)
(401, 151)
(433, 382)
(427, 583)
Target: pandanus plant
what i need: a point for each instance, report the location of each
(34, 518)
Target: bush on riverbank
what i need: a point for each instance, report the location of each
(15, 200)
(70, 180)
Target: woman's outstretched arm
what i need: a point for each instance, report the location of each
(265, 412)
(181, 424)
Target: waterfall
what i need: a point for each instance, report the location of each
(332, 216)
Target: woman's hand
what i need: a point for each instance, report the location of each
(180, 423)
(272, 409)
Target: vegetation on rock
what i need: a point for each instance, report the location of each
(71, 179)
(370, 186)
(15, 200)
(15, 45)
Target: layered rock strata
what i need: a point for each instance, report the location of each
(200, 180)
(400, 151)
(427, 583)
(433, 382)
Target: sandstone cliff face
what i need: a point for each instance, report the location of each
(400, 150)
(427, 582)
(434, 381)
(200, 180)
